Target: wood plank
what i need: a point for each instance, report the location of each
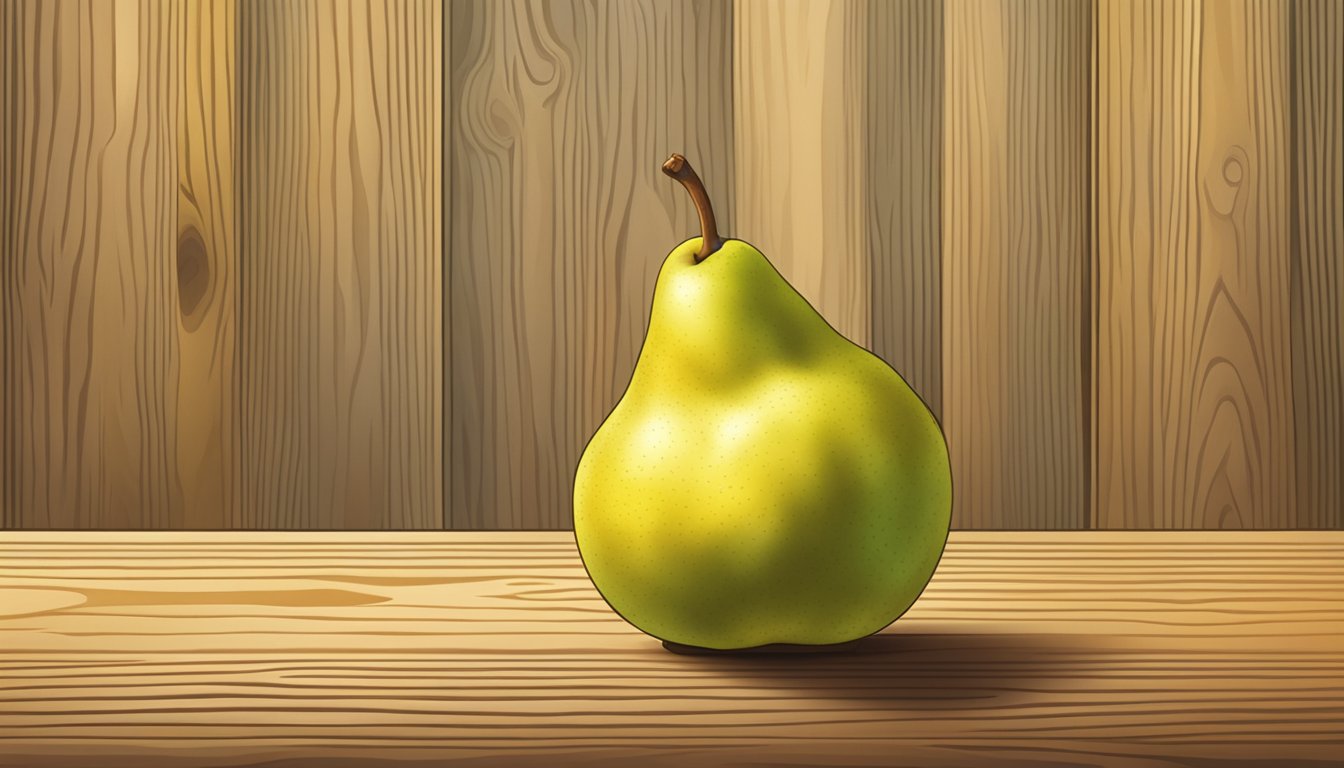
(1016, 231)
(904, 150)
(446, 292)
(800, 90)
(321, 648)
(341, 374)
(1318, 267)
(563, 113)
(88, 287)
(9, 129)
(206, 270)
(1194, 412)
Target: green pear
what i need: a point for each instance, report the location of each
(763, 480)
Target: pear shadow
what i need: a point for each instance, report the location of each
(904, 670)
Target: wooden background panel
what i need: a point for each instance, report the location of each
(9, 128)
(205, 268)
(1193, 413)
(1318, 269)
(1016, 255)
(563, 113)
(225, 300)
(800, 75)
(903, 173)
(87, 274)
(838, 148)
(340, 352)
(445, 223)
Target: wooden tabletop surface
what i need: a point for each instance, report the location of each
(352, 649)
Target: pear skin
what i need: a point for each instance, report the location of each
(763, 480)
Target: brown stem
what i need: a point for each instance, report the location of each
(678, 168)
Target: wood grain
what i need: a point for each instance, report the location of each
(9, 130)
(339, 325)
(1318, 269)
(903, 173)
(88, 283)
(449, 102)
(1194, 411)
(563, 113)
(206, 269)
(1109, 251)
(1016, 230)
(1092, 648)
(800, 96)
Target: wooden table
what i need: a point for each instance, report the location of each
(353, 649)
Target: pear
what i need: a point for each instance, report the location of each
(764, 480)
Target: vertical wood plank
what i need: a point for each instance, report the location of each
(1318, 269)
(1016, 234)
(1194, 374)
(87, 279)
(205, 268)
(800, 88)
(9, 130)
(339, 325)
(446, 238)
(563, 113)
(903, 174)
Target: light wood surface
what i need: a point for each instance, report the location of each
(1193, 350)
(1078, 648)
(339, 325)
(562, 114)
(92, 339)
(1016, 254)
(1317, 299)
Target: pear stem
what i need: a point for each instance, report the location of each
(680, 169)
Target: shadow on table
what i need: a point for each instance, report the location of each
(919, 670)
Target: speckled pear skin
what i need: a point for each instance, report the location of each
(763, 479)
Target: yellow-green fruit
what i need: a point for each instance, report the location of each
(763, 479)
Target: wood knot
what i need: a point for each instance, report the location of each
(1222, 187)
(1233, 170)
(193, 278)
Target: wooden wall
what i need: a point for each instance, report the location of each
(560, 115)
(339, 330)
(93, 336)
(1218, 332)
(1016, 228)
(221, 280)
(374, 264)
